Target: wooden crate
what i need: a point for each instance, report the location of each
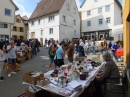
(21, 59)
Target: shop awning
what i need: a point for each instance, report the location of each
(117, 29)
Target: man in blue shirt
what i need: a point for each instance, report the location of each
(113, 50)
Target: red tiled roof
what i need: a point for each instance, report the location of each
(46, 7)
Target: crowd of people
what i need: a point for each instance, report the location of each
(9, 53)
(57, 52)
(77, 46)
(110, 74)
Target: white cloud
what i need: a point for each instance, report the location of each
(21, 10)
(78, 4)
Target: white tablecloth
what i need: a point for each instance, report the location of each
(86, 82)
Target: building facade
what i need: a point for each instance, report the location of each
(126, 23)
(19, 29)
(7, 18)
(61, 21)
(98, 18)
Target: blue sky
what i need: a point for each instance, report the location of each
(26, 7)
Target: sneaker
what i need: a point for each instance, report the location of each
(9, 74)
(1, 79)
(13, 72)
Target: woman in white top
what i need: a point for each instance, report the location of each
(2, 58)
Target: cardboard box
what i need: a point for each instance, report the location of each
(79, 58)
(28, 78)
(29, 93)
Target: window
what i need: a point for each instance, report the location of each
(64, 18)
(100, 21)
(95, 0)
(8, 12)
(74, 22)
(21, 37)
(21, 29)
(108, 20)
(14, 28)
(32, 23)
(88, 23)
(75, 33)
(88, 13)
(108, 8)
(3, 25)
(51, 18)
(100, 10)
(51, 31)
(42, 33)
(68, 6)
(39, 21)
(75, 10)
(18, 20)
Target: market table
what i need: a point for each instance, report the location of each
(84, 83)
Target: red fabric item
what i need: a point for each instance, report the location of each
(119, 52)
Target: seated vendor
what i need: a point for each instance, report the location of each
(109, 75)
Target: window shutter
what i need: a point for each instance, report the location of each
(5, 26)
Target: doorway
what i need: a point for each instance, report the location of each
(32, 34)
(101, 36)
(41, 41)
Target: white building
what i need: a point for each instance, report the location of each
(7, 18)
(99, 17)
(55, 19)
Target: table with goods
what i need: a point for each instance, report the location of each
(69, 80)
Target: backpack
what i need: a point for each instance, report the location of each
(51, 53)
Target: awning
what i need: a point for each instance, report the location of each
(117, 29)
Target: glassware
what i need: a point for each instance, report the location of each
(60, 73)
(66, 73)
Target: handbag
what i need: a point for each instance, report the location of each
(58, 62)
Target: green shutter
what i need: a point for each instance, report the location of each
(5, 26)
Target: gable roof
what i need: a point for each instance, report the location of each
(23, 20)
(46, 7)
(16, 8)
(119, 4)
(25, 17)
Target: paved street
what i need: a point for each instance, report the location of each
(12, 87)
